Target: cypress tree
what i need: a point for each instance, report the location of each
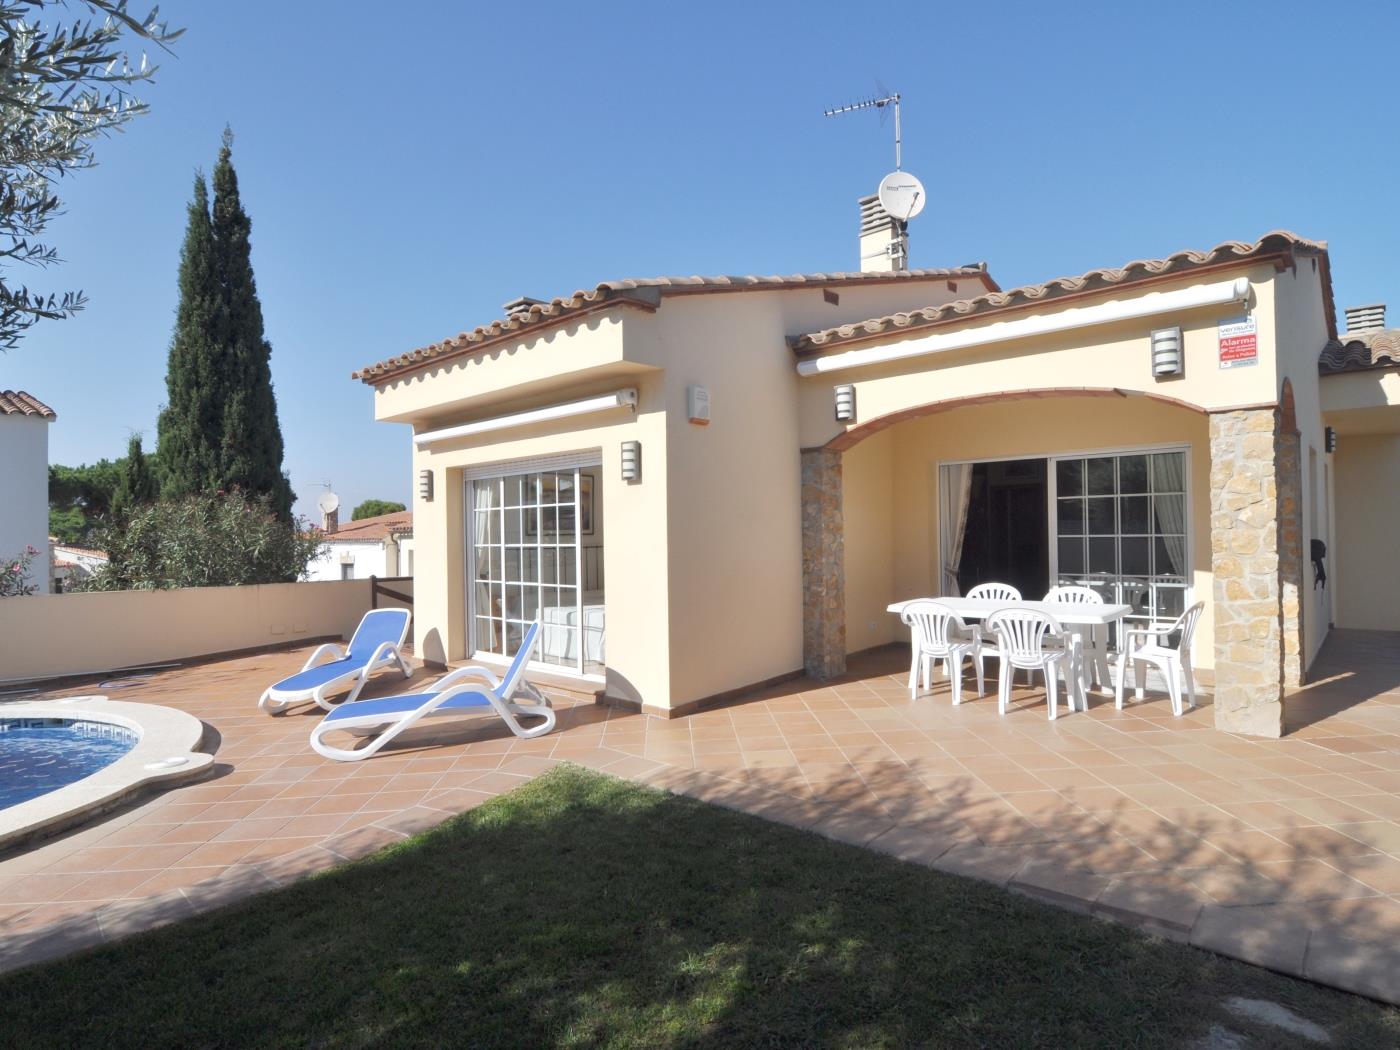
(194, 371)
(251, 439)
(136, 485)
(220, 429)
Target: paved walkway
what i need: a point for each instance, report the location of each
(1285, 853)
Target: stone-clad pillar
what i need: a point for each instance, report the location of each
(1245, 532)
(823, 565)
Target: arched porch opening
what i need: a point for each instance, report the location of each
(1180, 509)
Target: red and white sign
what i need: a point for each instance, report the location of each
(1239, 342)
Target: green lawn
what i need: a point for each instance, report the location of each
(584, 911)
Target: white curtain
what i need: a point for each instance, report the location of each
(1169, 475)
(485, 527)
(954, 492)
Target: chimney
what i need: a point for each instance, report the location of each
(330, 520)
(884, 244)
(517, 308)
(1365, 318)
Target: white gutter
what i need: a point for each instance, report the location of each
(1150, 305)
(617, 399)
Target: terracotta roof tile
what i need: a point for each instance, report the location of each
(643, 292)
(18, 403)
(1278, 241)
(1359, 351)
(375, 528)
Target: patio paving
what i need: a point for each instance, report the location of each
(1281, 852)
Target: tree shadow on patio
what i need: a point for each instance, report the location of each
(582, 910)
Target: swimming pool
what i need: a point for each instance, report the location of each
(39, 755)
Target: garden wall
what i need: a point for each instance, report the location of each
(55, 635)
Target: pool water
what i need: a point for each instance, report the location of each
(39, 755)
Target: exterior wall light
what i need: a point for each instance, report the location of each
(845, 403)
(425, 486)
(1166, 353)
(1329, 439)
(631, 461)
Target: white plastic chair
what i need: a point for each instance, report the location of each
(1148, 645)
(938, 633)
(996, 592)
(1035, 641)
(1095, 662)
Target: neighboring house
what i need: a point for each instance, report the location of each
(69, 563)
(381, 546)
(784, 457)
(24, 452)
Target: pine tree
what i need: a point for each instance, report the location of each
(219, 430)
(136, 485)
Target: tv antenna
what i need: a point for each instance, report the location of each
(901, 195)
(881, 102)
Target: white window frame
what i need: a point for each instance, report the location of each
(575, 461)
(1051, 495)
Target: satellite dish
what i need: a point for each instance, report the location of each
(901, 195)
(328, 501)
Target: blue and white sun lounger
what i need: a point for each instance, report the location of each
(376, 643)
(466, 691)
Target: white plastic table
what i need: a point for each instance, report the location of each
(1064, 612)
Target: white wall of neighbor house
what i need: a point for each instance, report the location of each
(362, 559)
(891, 547)
(1364, 568)
(24, 512)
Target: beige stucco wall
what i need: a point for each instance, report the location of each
(703, 556)
(1301, 327)
(1111, 356)
(1364, 572)
(906, 466)
(868, 491)
(48, 636)
(634, 517)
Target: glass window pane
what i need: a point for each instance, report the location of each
(530, 603)
(1136, 556)
(514, 635)
(1132, 473)
(568, 565)
(568, 598)
(512, 526)
(530, 567)
(1069, 477)
(1100, 476)
(1101, 518)
(566, 488)
(1168, 472)
(551, 523)
(531, 490)
(497, 606)
(1169, 514)
(1071, 557)
(1164, 547)
(1071, 517)
(1133, 515)
(1171, 602)
(549, 489)
(531, 520)
(496, 564)
(512, 491)
(549, 565)
(512, 570)
(1102, 556)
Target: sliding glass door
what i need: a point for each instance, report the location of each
(1120, 525)
(534, 543)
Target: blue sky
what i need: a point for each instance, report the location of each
(410, 167)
